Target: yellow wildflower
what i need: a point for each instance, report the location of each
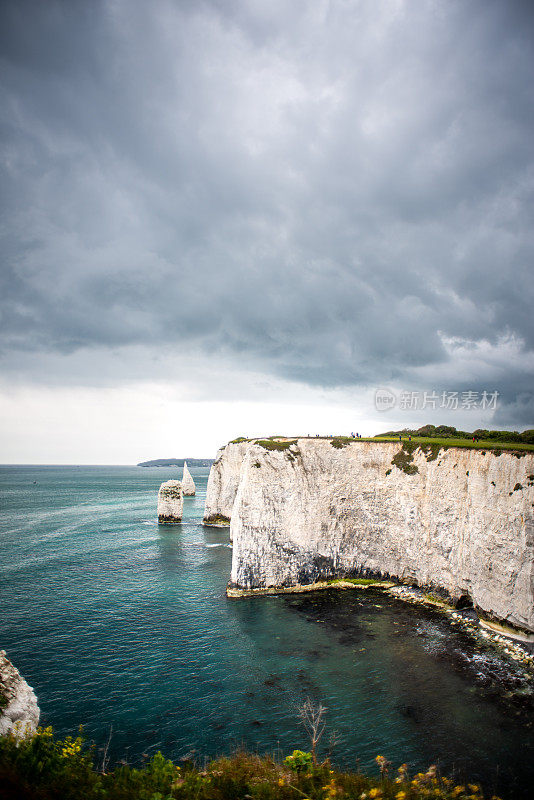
(71, 747)
(400, 795)
(375, 793)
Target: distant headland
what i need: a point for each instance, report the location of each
(177, 462)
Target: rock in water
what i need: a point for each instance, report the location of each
(170, 502)
(19, 712)
(188, 484)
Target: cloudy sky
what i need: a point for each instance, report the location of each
(233, 217)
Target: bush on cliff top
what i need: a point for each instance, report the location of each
(268, 444)
(45, 768)
(448, 432)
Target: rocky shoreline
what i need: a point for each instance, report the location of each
(19, 712)
(483, 633)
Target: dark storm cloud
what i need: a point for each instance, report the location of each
(332, 191)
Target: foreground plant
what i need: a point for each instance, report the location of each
(44, 768)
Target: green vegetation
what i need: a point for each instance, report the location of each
(355, 581)
(431, 450)
(404, 459)
(216, 519)
(341, 441)
(447, 435)
(430, 438)
(299, 761)
(496, 448)
(435, 598)
(238, 440)
(269, 444)
(44, 768)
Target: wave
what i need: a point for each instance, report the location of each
(222, 544)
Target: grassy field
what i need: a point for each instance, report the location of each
(481, 445)
(283, 442)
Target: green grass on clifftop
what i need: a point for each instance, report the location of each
(430, 438)
(464, 443)
(270, 444)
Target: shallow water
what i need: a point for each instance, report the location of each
(118, 621)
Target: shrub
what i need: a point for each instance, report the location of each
(404, 459)
(268, 444)
(299, 761)
(43, 768)
(341, 441)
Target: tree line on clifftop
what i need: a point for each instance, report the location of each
(448, 432)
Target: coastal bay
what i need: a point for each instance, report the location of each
(115, 620)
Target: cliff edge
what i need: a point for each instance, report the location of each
(460, 520)
(19, 712)
(223, 482)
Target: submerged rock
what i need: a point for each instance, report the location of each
(170, 502)
(188, 484)
(19, 712)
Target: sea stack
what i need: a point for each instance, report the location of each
(19, 712)
(188, 484)
(170, 502)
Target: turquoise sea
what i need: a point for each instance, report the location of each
(122, 624)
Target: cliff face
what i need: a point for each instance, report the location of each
(19, 712)
(188, 484)
(170, 502)
(462, 521)
(223, 482)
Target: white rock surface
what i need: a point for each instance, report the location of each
(315, 511)
(21, 714)
(188, 484)
(223, 482)
(170, 502)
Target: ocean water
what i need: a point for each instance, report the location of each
(122, 625)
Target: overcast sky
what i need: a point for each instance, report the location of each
(229, 217)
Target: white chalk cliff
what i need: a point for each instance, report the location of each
(170, 502)
(460, 520)
(19, 712)
(223, 482)
(188, 484)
